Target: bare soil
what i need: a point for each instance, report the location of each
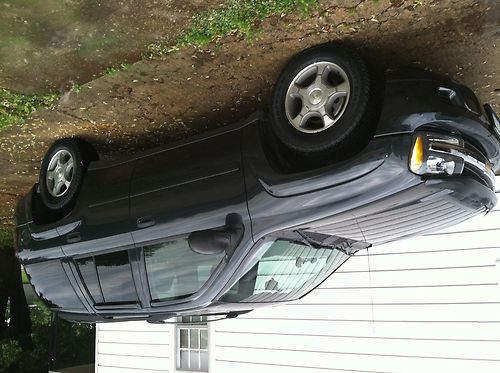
(48, 46)
(157, 101)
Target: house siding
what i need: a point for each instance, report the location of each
(429, 303)
(134, 346)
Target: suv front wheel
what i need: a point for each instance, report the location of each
(322, 101)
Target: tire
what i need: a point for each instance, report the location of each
(62, 171)
(324, 102)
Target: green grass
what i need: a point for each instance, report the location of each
(76, 88)
(24, 276)
(237, 17)
(16, 107)
(114, 69)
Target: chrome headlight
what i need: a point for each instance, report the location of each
(436, 154)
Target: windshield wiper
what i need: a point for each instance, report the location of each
(325, 241)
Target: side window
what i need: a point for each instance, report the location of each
(174, 271)
(108, 277)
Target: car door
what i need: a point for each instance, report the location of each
(189, 186)
(100, 218)
(111, 282)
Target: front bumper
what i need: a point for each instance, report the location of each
(438, 154)
(430, 102)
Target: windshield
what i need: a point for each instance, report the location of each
(174, 271)
(284, 270)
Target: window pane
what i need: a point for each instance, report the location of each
(115, 276)
(194, 341)
(184, 362)
(204, 338)
(89, 276)
(184, 338)
(204, 361)
(285, 271)
(174, 271)
(195, 362)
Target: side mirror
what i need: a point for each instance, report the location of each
(218, 240)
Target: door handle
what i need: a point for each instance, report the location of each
(73, 237)
(145, 222)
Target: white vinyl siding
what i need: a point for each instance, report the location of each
(134, 346)
(428, 303)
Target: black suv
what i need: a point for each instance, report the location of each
(264, 210)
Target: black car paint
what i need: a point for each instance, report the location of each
(226, 171)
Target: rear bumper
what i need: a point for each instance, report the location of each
(23, 219)
(23, 210)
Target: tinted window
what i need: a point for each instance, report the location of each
(115, 276)
(284, 270)
(174, 271)
(89, 275)
(108, 277)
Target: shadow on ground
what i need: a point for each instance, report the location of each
(189, 91)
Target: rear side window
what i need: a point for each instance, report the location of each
(108, 278)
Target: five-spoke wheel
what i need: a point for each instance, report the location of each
(317, 97)
(323, 101)
(61, 174)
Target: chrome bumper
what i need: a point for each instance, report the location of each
(438, 154)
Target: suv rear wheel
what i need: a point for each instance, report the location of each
(62, 170)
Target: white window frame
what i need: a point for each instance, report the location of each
(183, 325)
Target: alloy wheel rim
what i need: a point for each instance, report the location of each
(59, 173)
(317, 97)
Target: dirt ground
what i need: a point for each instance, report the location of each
(191, 90)
(47, 46)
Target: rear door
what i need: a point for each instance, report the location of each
(100, 219)
(111, 282)
(188, 187)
